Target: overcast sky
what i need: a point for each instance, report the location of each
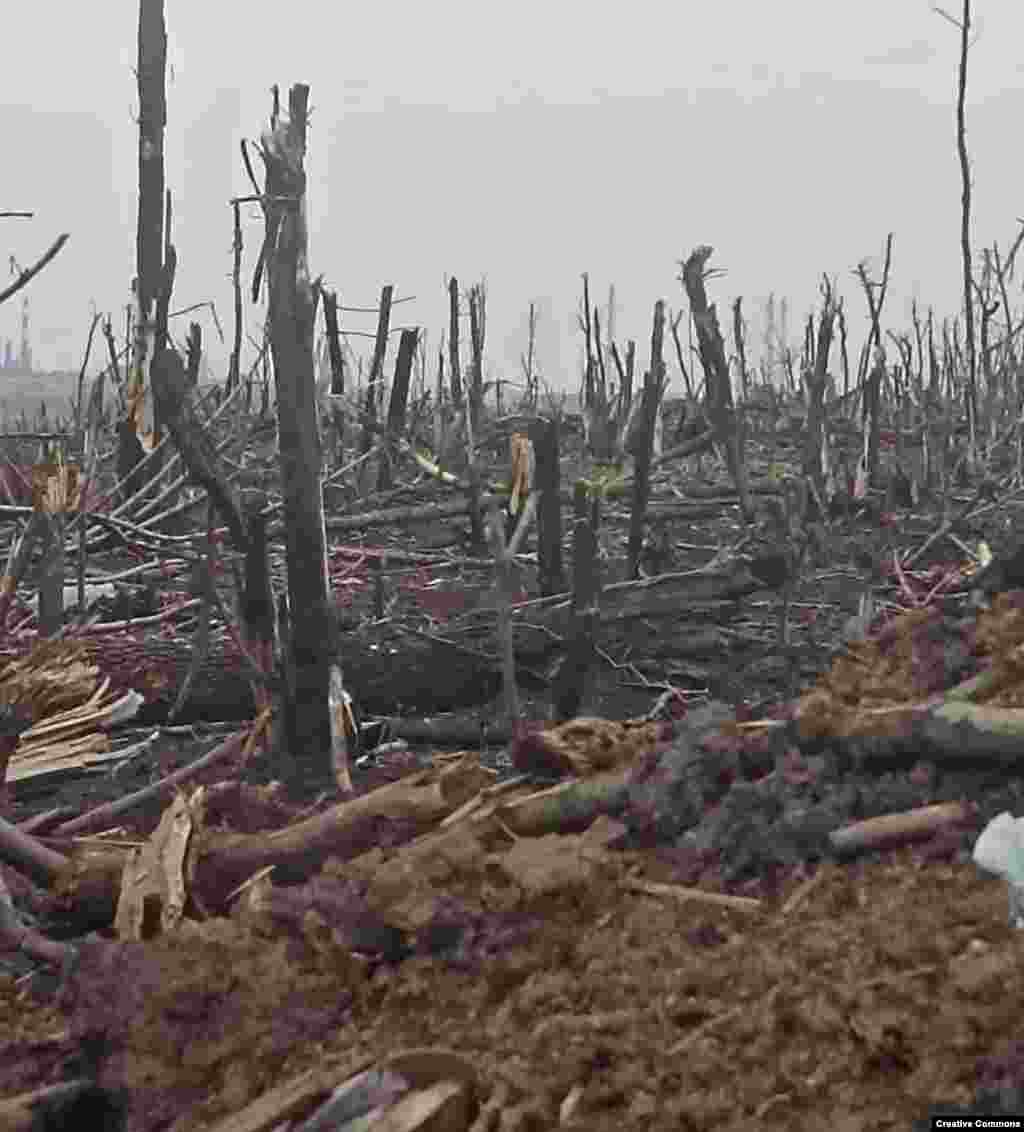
(522, 142)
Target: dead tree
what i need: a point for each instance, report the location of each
(374, 380)
(337, 362)
(970, 394)
(453, 342)
(194, 352)
(711, 350)
(815, 383)
(544, 434)
(477, 299)
(398, 403)
(291, 315)
(334, 354)
(149, 240)
(739, 332)
(150, 236)
(527, 360)
(236, 287)
(873, 349)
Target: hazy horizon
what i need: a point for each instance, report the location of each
(524, 145)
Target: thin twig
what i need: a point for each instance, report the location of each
(29, 272)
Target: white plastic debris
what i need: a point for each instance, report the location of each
(1000, 850)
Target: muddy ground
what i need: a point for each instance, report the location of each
(851, 993)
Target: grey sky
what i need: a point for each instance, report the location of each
(524, 142)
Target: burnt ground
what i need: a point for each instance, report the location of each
(845, 992)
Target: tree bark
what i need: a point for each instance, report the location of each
(544, 436)
(149, 236)
(379, 350)
(398, 402)
(152, 66)
(291, 312)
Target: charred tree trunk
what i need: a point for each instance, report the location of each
(453, 342)
(379, 351)
(337, 362)
(544, 434)
(333, 332)
(234, 369)
(815, 382)
(653, 384)
(152, 67)
(149, 237)
(711, 350)
(399, 399)
(291, 312)
(476, 336)
(194, 353)
(970, 378)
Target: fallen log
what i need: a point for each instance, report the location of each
(667, 595)
(391, 670)
(890, 830)
(387, 671)
(568, 807)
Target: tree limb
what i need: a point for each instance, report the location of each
(28, 272)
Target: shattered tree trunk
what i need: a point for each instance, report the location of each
(712, 352)
(453, 342)
(380, 347)
(476, 344)
(653, 388)
(544, 434)
(291, 313)
(234, 370)
(337, 362)
(815, 384)
(149, 237)
(149, 242)
(397, 404)
(333, 333)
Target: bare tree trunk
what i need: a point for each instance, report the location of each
(337, 363)
(653, 388)
(194, 353)
(152, 66)
(334, 343)
(149, 238)
(455, 373)
(711, 350)
(236, 283)
(585, 326)
(872, 381)
(965, 236)
(379, 350)
(739, 331)
(544, 434)
(527, 361)
(398, 402)
(815, 381)
(476, 335)
(843, 351)
(291, 312)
